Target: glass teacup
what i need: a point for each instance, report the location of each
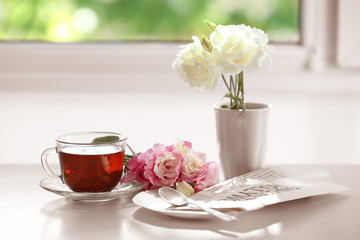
(89, 161)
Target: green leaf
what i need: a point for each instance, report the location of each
(106, 139)
(228, 95)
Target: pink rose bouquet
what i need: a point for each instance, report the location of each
(175, 166)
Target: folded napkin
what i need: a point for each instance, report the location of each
(248, 192)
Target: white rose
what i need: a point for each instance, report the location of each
(239, 47)
(166, 166)
(196, 66)
(192, 165)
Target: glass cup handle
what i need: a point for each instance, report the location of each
(132, 151)
(45, 164)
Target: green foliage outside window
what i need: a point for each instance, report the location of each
(143, 20)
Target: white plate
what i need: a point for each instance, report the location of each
(152, 201)
(122, 190)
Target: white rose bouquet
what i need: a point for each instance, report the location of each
(231, 50)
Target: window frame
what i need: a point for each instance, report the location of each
(20, 62)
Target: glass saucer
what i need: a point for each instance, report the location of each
(122, 190)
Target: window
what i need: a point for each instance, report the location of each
(320, 42)
(154, 20)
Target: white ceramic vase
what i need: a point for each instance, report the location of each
(241, 138)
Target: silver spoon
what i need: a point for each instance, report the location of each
(176, 198)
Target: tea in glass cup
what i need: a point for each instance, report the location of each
(89, 161)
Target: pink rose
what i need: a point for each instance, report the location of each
(186, 143)
(136, 169)
(163, 167)
(191, 166)
(208, 176)
(183, 145)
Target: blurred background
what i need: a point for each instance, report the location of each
(105, 65)
(146, 20)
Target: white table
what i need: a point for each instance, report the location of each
(29, 212)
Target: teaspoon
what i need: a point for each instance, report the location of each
(176, 198)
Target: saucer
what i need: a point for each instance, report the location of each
(122, 190)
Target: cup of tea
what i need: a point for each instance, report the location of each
(89, 161)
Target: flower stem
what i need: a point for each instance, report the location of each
(239, 85)
(232, 88)
(236, 90)
(226, 84)
(231, 92)
(241, 78)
